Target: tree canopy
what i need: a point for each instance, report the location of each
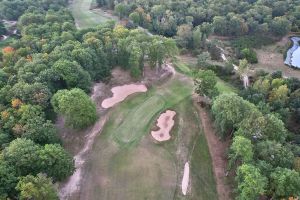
(75, 106)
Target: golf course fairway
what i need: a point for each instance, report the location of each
(127, 163)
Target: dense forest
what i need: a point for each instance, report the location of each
(50, 70)
(228, 17)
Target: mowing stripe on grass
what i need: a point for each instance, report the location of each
(133, 129)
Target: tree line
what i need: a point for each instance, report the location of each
(228, 17)
(262, 122)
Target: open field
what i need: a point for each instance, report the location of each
(127, 163)
(84, 17)
(271, 58)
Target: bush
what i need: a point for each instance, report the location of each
(249, 55)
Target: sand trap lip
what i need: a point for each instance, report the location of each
(185, 179)
(121, 92)
(165, 122)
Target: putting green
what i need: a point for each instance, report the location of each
(131, 130)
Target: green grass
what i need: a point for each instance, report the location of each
(224, 87)
(183, 68)
(86, 18)
(126, 163)
(221, 85)
(129, 132)
(203, 178)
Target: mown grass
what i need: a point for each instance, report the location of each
(126, 163)
(190, 136)
(204, 186)
(84, 17)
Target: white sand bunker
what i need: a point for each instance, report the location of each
(121, 92)
(165, 122)
(185, 179)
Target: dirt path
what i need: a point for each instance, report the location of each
(217, 150)
(72, 185)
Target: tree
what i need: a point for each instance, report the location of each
(23, 154)
(35, 94)
(121, 9)
(8, 179)
(229, 110)
(243, 71)
(251, 183)
(285, 183)
(55, 162)
(279, 94)
(2, 29)
(242, 149)
(135, 18)
(37, 187)
(41, 132)
(280, 26)
(203, 58)
(184, 35)
(275, 153)
(75, 106)
(249, 55)
(72, 74)
(274, 129)
(205, 83)
(220, 25)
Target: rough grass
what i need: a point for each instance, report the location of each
(84, 17)
(126, 163)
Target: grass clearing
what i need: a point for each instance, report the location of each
(84, 17)
(221, 85)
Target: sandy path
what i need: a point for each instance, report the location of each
(121, 92)
(185, 179)
(72, 185)
(165, 122)
(217, 151)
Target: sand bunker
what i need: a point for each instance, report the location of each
(121, 92)
(165, 122)
(185, 179)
